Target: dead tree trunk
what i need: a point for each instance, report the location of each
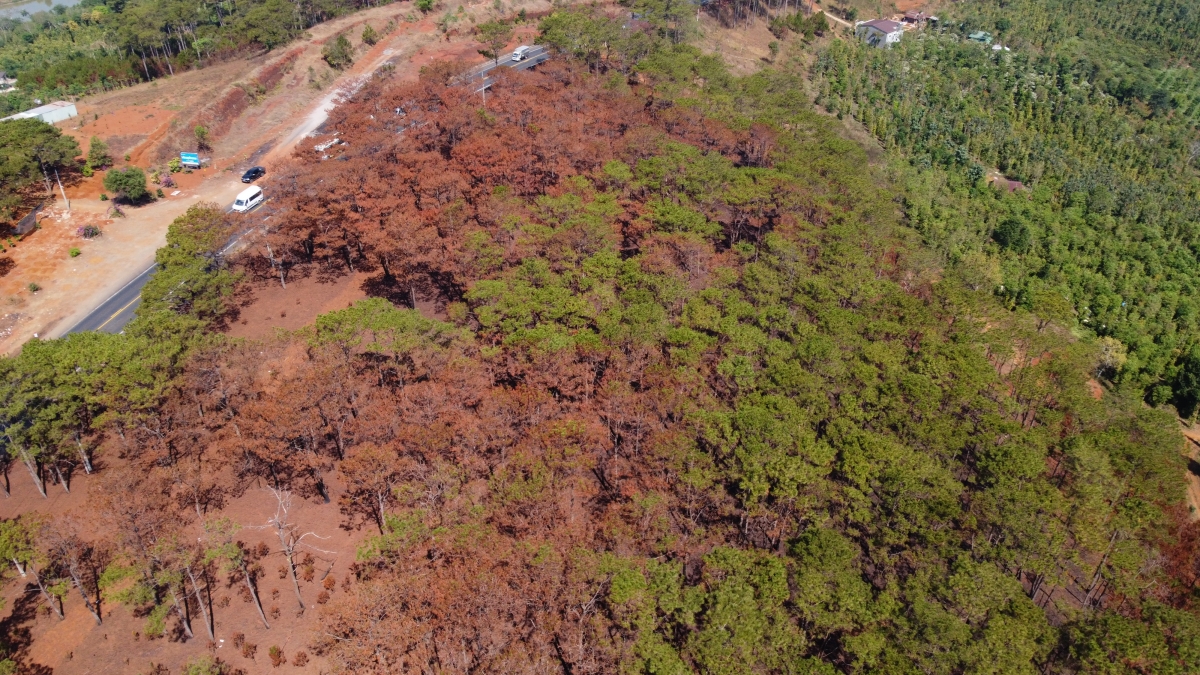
(184, 616)
(83, 455)
(34, 467)
(254, 594)
(200, 600)
(289, 553)
(277, 265)
(289, 539)
(50, 599)
(61, 479)
(93, 608)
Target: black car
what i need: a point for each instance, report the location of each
(255, 172)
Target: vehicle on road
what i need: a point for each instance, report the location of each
(248, 199)
(253, 173)
(521, 52)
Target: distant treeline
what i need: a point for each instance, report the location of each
(101, 44)
(1095, 110)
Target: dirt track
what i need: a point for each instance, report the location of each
(150, 122)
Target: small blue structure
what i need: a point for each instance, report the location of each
(190, 160)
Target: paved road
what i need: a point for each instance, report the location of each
(536, 54)
(112, 314)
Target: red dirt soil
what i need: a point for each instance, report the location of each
(76, 645)
(121, 131)
(269, 307)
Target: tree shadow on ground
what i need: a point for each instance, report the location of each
(17, 631)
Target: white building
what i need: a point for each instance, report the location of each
(49, 113)
(879, 32)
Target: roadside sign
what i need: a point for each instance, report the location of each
(189, 159)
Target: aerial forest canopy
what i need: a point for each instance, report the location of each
(701, 404)
(704, 391)
(1093, 111)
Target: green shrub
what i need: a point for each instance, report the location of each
(97, 156)
(74, 253)
(129, 183)
(205, 665)
(158, 193)
(156, 621)
(338, 53)
(34, 288)
(202, 137)
(103, 197)
(369, 36)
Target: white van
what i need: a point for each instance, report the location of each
(520, 53)
(248, 199)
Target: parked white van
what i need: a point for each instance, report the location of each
(248, 199)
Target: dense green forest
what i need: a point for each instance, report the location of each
(707, 390)
(1098, 120)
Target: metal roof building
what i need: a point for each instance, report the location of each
(49, 113)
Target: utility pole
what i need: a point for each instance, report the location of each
(60, 189)
(45, 178)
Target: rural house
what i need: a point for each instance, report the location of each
(879, 32)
